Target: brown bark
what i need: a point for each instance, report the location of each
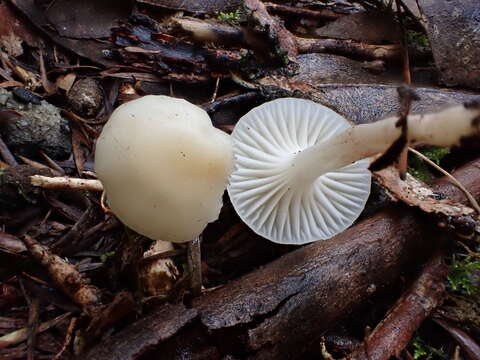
(323, 14)
(349, 48)
(282, 309)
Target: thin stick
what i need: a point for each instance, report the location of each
(469, 196)
(6, 154)
(33, 317)
(103, 204)
(63, 182)
(214, 96)
(195, 265)
(68, 337)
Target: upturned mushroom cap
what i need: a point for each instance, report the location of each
(164, 167)
(272, 189)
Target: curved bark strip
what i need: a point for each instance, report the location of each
(278, 311)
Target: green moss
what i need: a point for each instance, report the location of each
(417, 38)
(232, 18)
(460, 275)
(421, 350)
(422, 171)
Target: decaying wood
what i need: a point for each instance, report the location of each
(281, 39)
(66, 277)
(393, 334)
(208, 31)
(280, 310)
(325, 14)
(349, 48)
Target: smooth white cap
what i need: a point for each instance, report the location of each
(264, 188)
(164, 167)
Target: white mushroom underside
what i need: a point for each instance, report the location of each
(264, 189)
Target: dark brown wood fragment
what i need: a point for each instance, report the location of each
(325, 14)
(280, 310)
(204, 6)
(144, 334)
(261, 23)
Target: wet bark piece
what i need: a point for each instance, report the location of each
(281, 41)
(87, 19)
(326, 68)
(453, 29)
(144, 334)
(370, 27)
(196, 6)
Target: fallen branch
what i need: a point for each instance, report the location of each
(281, 310)
(204, 31)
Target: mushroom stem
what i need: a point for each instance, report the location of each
(445, 128)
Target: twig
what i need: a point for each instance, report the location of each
(214, 96)
(6, 154)
(53, 164)
(33, 316)
(104, 205)
(407, 78)
(21, 335)
(221, 102)
(66, 183)
(68, 338)
(469, 196)
(195, 265)
(468, 345)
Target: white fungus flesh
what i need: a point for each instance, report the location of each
(164, 167)
(278, 194)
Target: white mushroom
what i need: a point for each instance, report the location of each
(164, 167)
(299, 174)
(274, 193)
